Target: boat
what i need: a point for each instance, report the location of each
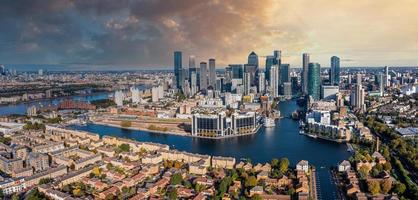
(269, 122)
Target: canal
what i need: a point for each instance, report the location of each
(281, 141)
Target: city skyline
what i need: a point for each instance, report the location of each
(143, 34)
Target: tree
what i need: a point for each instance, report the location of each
(96, 171)
(35, 195)
(176, 179)
(172, 195)
(251, 181)
(374, 187)
(124, 148)
(45, 181)
(399, 188)
(387, 166)
(363, 171)
(386, 185)
(284, 164)
(275, 163)
(126, 123)
(256, 197)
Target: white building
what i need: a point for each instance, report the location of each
(319, 116)
(303, 165)
(261, 82)
(135, 95)
(32, 111)
(119, 97)
(274, 81)
(344, 166)
(329, 92)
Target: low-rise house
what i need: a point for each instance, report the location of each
(344, 166)
(184, 192)
(256, 190)
(112, 191)
(303, 165)
(379, 158)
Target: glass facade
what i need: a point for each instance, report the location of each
(178, 72)
(334, 76)
(314, 80)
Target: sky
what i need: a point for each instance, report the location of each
(144, 33)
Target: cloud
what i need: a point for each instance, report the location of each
(145, 33)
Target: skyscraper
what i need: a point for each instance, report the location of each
(284, 73)
(357, 96)
(314, 80)
(212, 73)
(305, 69)
(269, 62)
(261, 82)
(387, 77)
(287, 90)
(247, 83)
(2, 70)
(119, 97)
(274, 83)
(193, 84)
(178, 71)
(277, 57)
(253, 59)
(192, 66)
(334, 76)
(203, 76)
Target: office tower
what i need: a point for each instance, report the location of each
(186, 88)
(252, 70)
(387, 77)
(203, 84)
(380, 82)
(192, 66)
(178, 71)
(305, 69)
(237, 71)
(287, 90)
(274, 83)
(2, 70)
(40, 72)
(119, 98)
(334, 76)
(253, 59)
(314, 80)
(212, 73)
(329, 92)
(219, 84)
(261, 82)
(135, 95)
(193, 83)
(284, 73)
(277, 57)
(358, 79)
(247, 83)
(269, 62)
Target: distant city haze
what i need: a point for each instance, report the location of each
(142, 34)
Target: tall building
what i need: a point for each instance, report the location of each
(212, 73)
(32, 111)
(284, 73)
(247, 83)
(178, 71)
(135, 95)
(277, 57)
(40, 72)
(203, 84)
(314, 80)
(274, 82)
(305, 69)
(119, 97)
(261, 82)
(253, 59)
(193, 83)
(270, 60)
(334, 76)
(357, 96)
(237, 71)
(387, 77)
(287, 90)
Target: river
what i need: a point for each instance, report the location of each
(283, 140)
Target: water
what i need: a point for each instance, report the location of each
(281, 141)
(20, 108)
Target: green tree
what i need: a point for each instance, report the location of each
(126, 123)
(374, 187)
(45, 181)
(172, 195)
(251, 181)
(387, 166)
(256, 197)
(176, 179)
(284, 165)
(275, 163)
(399, 188)
(124, 148)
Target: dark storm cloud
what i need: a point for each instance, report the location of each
(127, 32)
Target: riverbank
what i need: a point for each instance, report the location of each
(322, 137)
(185, 134)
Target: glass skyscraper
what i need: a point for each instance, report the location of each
(314, 80)
(269, 62)
(284, 73)
(253, 59)
(178, 71)
(334, 76)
